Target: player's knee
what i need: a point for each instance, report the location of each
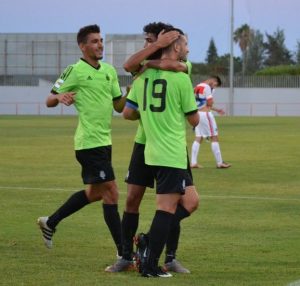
(132, 203)
(93, 195)
(191, 199)
(134, 196)
(214, 139)
(111, 196)
(198, 139)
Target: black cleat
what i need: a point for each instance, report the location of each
(157, 272)
(141, 241)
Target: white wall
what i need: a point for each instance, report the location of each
(247, 101)
(261, 101)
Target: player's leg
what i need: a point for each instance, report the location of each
(215, 146)
(195, 151)
(96, 169)
(188, 203)
(48, 224)
(138, 178)
(169, 191)
(129, 227)
(198, 140)
(130, 218)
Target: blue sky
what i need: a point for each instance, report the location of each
(201, 20)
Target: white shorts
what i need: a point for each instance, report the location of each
(207, 126)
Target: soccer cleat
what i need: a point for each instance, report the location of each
(196, 166)
(158, 272)
(175, 266)
(141, 242)
(121, 265)
(47, 232)
(223, 165)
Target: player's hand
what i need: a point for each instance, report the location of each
(141, 70)
(221, 112)
(66, 98)
(165, 39)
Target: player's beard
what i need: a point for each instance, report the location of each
(100, 57)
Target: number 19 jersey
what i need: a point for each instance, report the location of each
(163, 98)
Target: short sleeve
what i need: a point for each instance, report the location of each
(66, 82)
(131, 100)
(116, 90)
(188, 101)
(208, 92)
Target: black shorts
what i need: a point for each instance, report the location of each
(171, 180)
(138, 172)
(95, 165)
(190, 183)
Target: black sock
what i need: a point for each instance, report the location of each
(173, 237)
(113, 221)
(72, 205)
(130, 223)
(158, 236)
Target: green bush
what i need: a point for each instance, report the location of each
(280, 70)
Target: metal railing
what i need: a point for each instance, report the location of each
(239, 81)
(241, 109)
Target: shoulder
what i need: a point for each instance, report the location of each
(181, 77)
(202, 87)
(107, 66)
(68, 70)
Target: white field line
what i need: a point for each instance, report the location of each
(152, 193)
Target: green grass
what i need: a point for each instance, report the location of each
(246, 231)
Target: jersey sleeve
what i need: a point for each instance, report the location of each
(131, 100)
(66, 82)
(116, 90)
(188, 101)
(208, 92)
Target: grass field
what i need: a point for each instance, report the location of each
(246, 231)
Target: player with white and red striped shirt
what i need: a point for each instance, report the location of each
(207, 127)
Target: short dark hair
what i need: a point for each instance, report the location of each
(174, 29)
(179, 38)
(85, 31)
(217, 78)
(156, 27)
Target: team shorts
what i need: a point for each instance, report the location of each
(138, 172)
(95, 164)
(207, 126)
(171, 180)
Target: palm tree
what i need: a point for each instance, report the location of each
(243, 36)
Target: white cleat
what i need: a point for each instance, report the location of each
(223, 165)
(47, 232)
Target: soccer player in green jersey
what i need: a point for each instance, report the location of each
(157, 35)
(162, 100)
(92, 86)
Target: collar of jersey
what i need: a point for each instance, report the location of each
(97, 68)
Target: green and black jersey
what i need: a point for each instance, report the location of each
(95, 90)
(140, 135)
(163, 98)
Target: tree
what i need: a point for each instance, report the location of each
(243, 36)
(298, 53)
(276, 51)
(212, 54)
(256, 53)
(222, 65)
